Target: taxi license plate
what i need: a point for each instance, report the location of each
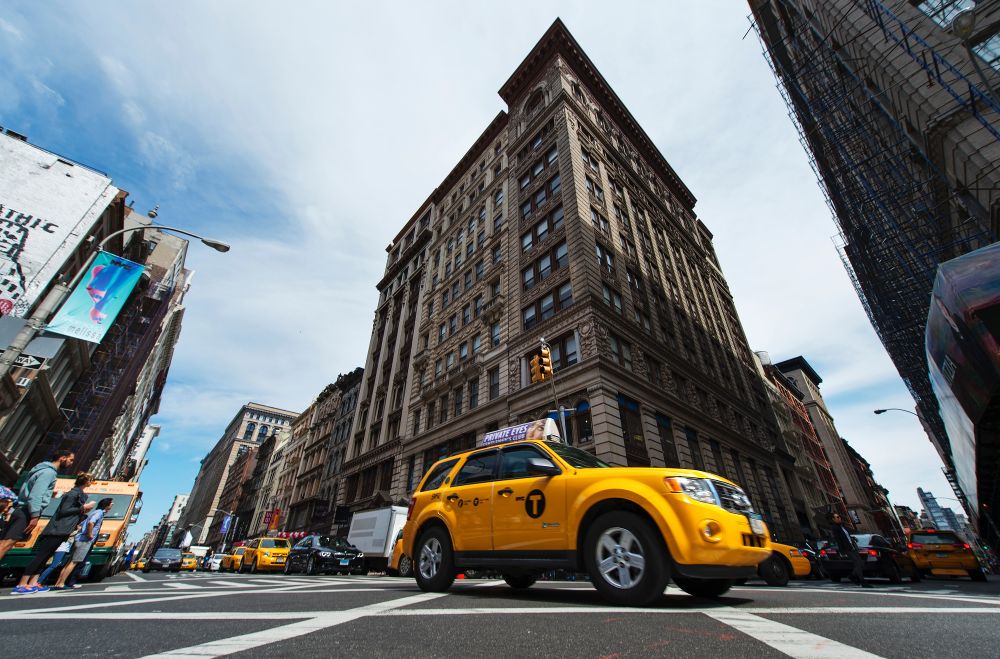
(756, 523)
(345, 561)
(941, 554)
(279, 559)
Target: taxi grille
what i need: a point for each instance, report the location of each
(732, 498)
(752, 540)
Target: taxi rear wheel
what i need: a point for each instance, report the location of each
(704, 587)
(977, 575)
(435, 563)
(520, 581)
(405, 567)
(773, 571)
(626, 559)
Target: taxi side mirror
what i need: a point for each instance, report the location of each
(542, 467)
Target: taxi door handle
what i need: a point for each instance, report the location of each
(505, 492)
(452, 497)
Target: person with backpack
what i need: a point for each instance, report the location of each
(72, 506)
(33, 496)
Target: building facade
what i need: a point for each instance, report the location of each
(879, 506)
(814, 488)
(855, 492)
(237, 486)
(266, 511)
(248, 428)
(903, 131)
(941, 517)
(562, 221)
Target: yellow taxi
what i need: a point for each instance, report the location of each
(524, 502)
(399, 563)
(232, 562)
(189, 562)
(943, 552)
(263, 554)
(139, 564)
(784, 562)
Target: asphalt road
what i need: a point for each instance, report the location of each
(208, 615)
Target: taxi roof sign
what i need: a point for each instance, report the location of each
(539, 429)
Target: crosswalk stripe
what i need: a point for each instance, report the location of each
(790, 640)
(182, 586)
(232, 584)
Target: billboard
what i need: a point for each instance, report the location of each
(93, 306)
(48, 205)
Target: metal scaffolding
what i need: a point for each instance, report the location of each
(897, 213)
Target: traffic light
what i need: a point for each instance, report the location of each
(536, 369)
(546, 363)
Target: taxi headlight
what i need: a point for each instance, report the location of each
(324, 554)
(698, 489)
(267, 554)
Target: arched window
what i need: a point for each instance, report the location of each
(248, 433)
(534, 102)
(262, 435)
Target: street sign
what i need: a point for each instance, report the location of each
(27, 361)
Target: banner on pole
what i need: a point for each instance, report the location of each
(224, 529)
(99, 297)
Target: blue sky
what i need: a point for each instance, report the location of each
(281, 131)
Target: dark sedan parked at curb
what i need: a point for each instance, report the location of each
(880, 558)
(324, 553)
(165, 559)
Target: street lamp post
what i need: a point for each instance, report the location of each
(895, 409)
(38, 320)
(235, 521)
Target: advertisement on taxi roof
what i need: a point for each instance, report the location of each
(539, 429)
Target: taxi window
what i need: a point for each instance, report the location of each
(478, 468)
(575, 457)
(514, 463)
(437, 475)
(935, 538)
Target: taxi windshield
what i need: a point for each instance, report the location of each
(273, 543)
(575, 457)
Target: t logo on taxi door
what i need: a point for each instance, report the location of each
(534, 504)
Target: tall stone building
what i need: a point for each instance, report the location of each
(814, 488)
(251, 425)
(562, 221)
(901, 120)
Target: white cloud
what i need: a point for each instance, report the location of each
(341, 119)
(11, 30)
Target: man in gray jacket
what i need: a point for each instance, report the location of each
(34, 495)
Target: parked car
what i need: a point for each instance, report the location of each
(189, 562)
(943, 552)
(324, 553)
(880, 558)
(232, 562)
(265, 554)
(784, 563)
(165, 558)
(214, 562)
(399, 563)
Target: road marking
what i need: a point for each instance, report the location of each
(182, 586)
(231, 584)
(118, 588)
(285, 632)
(135, 577)
(787, 639)
(985, 599)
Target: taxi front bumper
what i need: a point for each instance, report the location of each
(716, 543)
(272, 562)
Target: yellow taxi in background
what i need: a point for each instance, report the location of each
(784, 562)
(189, 562)
(399, 563)
(232, 562)
(265, 554)
(943, 552)
(139, 564)
(524, 502)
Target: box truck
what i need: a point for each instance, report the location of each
(374, 532)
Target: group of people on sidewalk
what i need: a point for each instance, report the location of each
(70, 533)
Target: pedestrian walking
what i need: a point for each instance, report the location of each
(72, 506)
(57, 561)
(847, 546)
(7, 499)
(33, 497)
(85, 540)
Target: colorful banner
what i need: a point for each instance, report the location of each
(540, 429)
(93, 306)
(224, 528)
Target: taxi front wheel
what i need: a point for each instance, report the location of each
(626, 559)
(434, 562)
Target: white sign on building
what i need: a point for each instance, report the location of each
(47, 206)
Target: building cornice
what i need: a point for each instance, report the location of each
(557, 40)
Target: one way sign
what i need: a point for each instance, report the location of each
(27, 361)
